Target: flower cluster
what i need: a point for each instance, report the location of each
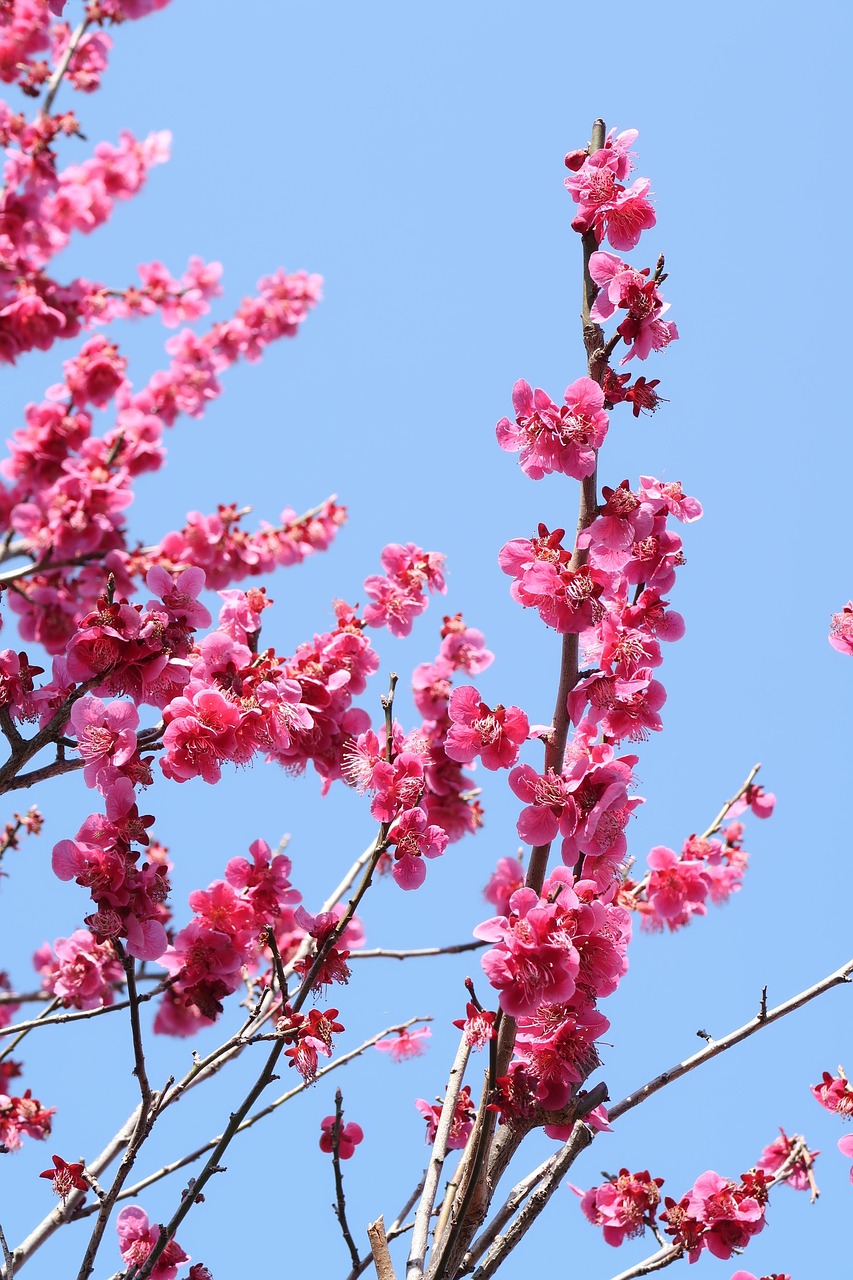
(836, 1094)
(136, 1239)
(554, 955)
(717, 1214)
(461, 1122)
(678, 886)
(398, 596)
(129, 897)
(80, 971)
(606, 207)
(418, 790)
(623, 1206)
(309, 1036)
(225, 940)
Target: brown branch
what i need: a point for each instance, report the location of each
(379, 1248)
(9, 1048)
(580, 1139)
(79, 1014)
(130, 1192)
(398, 1227)
(7, 1256)
(763, 1019)
(381, 953)
(340, 1205)
(417, 1252)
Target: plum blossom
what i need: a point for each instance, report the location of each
(348, 1137)
(413, 839)
(106, 737)
(495, 735)
(80, 971)
(461, 1122)
(136, 1239)
(553, 438)
(65, 1177)
(780, 1152)
(405, 1044)
(623, 1206)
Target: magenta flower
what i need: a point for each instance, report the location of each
(495, 735)
(405, 1044)
(624, 1206)
(534, 959)
(841, 629)
(136, 1239)
(348, 1138)
(80, 971)
(180, 595)
(774, 1156)
(460, 1125)
(106, 734)
(65, 1177)
(414, 839)
(835, 1093)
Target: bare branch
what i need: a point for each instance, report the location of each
(762, 1019)
(379, 1248)
(340, 1200)
(381, 953)
(417, 1253)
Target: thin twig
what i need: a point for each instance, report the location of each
(62, 66)
(580, 1138)
(761, 1020)
(340, 1205)
(742, 790)
(23, 1031)
(130, 1192)
(7, 1256)
(382, 953)
(79, 1014)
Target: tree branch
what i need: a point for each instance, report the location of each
(763, 1018)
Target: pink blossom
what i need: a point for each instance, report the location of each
(461, 1122)
(475, 729)
(507, 876)
(777, 1154)
(405, 1044)
(478, 1026)
(553, 438)
(106, 735)
(534, 959)
(414, 839)
(136, 1239)
(835, 1093)
(348, 1137)
(624, 1206)
(180, 594)
(677, 888)
(80, 971)
(841, 629)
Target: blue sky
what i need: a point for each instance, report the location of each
(413, 156)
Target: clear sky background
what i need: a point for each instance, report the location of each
(413, 154)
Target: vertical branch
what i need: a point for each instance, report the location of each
(340, 1199)
(417, 1253)
(473, 1197)
(379, 1247)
